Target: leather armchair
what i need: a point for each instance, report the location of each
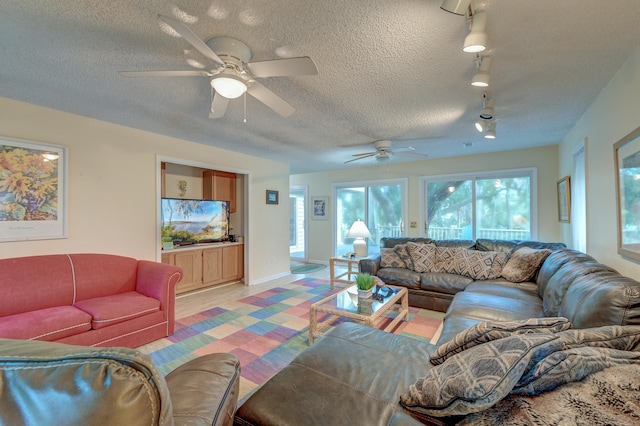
(53, 383)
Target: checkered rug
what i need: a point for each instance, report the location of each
(265, 331)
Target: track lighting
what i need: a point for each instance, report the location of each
(476, 41)
(487, 111)
(491, 133)
(482, 77)
(481, 125)
(458, 7)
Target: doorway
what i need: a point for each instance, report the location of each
(298, 223)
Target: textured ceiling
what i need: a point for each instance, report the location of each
(387, 70)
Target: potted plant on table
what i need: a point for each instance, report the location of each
(365, 284)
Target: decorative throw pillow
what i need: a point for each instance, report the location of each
(389, 258)
(523, 264)
(424, 256)
(404, 254)
(488, 331)
(478, 378)
(473, 263)
(498, 264)
(446, 260)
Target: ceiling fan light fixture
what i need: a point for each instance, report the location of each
(491, 133)
(482, 77)
(228, 86)
(477, 39)
(457, 7)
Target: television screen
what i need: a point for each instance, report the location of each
(195, 221)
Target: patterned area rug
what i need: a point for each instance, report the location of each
(266, 331)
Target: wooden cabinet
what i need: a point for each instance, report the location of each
(217, 185)
(204, 267)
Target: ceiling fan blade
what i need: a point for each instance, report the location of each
(411, 154)
(365, 154)
(218, 106)
(270, 99)
(192, 38)
(404, 149)
(371, 154)
(192, 73)
(283, 67)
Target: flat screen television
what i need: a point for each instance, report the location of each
(194, 221)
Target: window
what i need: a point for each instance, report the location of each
(493, 205)
(578, 201)
(380, 204)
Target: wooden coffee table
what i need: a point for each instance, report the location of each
(346, 304)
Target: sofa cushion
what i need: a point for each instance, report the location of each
(45, 324)
(498, 265)
(389, 258)
(523, 264)
(489, 307)
(487, 331)
(399, 276)
(441, 282)
(446, 260)
(109, 310)
(477, 378)
(424, 257)
(473, 263)
(485, 244)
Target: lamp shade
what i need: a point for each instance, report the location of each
(229, 86)
(359, 230)
(477, 39)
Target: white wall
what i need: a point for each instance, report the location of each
(545, 159)
(612, 115)
(112, 188)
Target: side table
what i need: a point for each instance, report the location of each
(351, 263)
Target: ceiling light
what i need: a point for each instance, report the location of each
(228, 85)
(459, 7)
(487, 111)
(476, 41)
(481, 125)
(491, 133)
(482, 77)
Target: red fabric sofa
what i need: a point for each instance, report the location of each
(87, 299)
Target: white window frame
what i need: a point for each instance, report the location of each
(531, 172)
(404, 184)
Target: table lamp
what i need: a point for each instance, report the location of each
(359, 231)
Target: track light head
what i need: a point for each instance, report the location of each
(487, 111)
(491, 133)
(477, 39)
(482, 77)
(457, 7)
(481, 125)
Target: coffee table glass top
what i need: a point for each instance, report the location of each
(347, 300)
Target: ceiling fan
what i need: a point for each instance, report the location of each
(232, 74)
(384, 152)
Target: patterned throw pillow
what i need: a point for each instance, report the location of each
(498, 264)
(473, 263)
(446, 260)
(389, 258)
(478, 378)
(424, 256)
(488, 331)
(404, 254)
(523, 264)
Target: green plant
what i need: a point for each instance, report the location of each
(364, 281)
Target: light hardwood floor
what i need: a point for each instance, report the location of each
(202, 300)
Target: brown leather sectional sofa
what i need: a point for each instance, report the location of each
(355, 374)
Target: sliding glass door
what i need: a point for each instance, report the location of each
(380, 204)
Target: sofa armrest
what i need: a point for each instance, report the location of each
(370, 265)
(204, 391)
(159, 280)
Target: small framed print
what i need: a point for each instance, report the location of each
(320, 208)
(272, 197)
(564, 199)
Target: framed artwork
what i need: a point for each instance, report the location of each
(320, 208)
(627, 172)
(33, 182)
(564, 199)
(272, 197)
